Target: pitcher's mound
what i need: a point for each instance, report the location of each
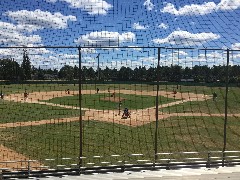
(113, 99)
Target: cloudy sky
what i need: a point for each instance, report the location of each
(172, 23)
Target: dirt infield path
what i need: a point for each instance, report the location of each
(38, 96)
(11, 160)
(133, 121)
(138, 117)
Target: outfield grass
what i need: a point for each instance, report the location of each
(20, 88)
(22, 112)
(94, 101)
(210, 106)
(175, 134)
(55, 86)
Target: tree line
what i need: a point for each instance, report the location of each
(13, 71)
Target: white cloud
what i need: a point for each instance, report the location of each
(136, 48)
(149, 5)
(8, 29)
(5, 26)
(105, 38)
(38, 56)
(9, 35)
(118, 64)
(6, 53)
(40, 51)
(163, 26)
(34, 20)
(69, 56)
(42, 57)
(211, 56)
(13, 35)
(236, 46)
(88, 50)
(89, 59)
(91, 6)
(180, 37)
(201, 9)
(138, 26)
(208, 58)
(182, 53)
(236, 57)
(193, 9)
(228, 5)
(54, 60)
(150, 59)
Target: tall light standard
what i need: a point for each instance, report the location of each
(98, 66)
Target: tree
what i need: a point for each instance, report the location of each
(122, 73)
(66, 72)
(84, 73)
(136, 74)
(151, 74)
(40, 73)
(187, 73)
(75, 72)
(26, 66)
(106, 73)
(90, 74)
(9, 69)
(175, 73)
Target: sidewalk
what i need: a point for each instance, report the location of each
(221, 173)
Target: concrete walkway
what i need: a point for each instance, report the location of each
(221, 173)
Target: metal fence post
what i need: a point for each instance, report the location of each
(157, 104)
(80, 107)
(29, 168)
(226, 109)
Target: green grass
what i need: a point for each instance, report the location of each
(210, 106)
(94, 101)
(21, 112)
(20, 88)
(175, 134)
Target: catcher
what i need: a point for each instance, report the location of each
(126, 113)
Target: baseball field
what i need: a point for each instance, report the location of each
(45, 126)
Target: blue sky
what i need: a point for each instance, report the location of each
(194, 24)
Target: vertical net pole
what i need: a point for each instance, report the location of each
(157, 103)
(226, 108)
(80, 108)
(98, 67)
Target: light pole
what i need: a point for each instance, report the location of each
(98, 66)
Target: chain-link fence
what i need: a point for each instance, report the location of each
(91, 109)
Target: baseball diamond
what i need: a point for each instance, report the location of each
(183, 112)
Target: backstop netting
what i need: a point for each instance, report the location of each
(119, 107)
(104, 85)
